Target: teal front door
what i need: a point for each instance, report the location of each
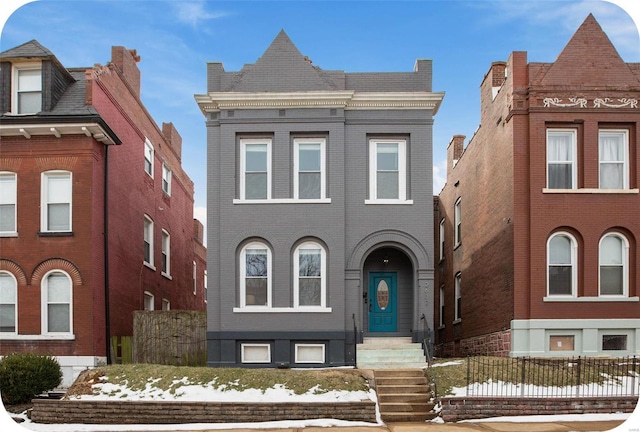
(383, 302)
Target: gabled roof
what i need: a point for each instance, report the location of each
(589, 59)
(29, 49)
(282, 68)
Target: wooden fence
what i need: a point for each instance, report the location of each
(170, 337)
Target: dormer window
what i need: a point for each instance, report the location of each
(27, 85)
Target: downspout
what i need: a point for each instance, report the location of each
(106, 255)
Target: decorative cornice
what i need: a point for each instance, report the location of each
(582, 102)
(349, 100)
(29, 129)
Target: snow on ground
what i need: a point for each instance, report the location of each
(449, 363)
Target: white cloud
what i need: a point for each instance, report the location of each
(194, 12)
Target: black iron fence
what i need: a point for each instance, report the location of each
(566, 377)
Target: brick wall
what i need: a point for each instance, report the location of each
(466, 408)
(494, 344)
(137, 412)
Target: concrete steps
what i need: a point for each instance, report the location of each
(404, 395)
(390, 353)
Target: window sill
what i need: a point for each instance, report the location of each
(388, 202)
(552, 299)
(283, 201)
(55, 234)
(590, 191)
(458, 321)
(441, 327)
(282, 310)
(168, 276)
(7, 337)
(9, 234)
(151, 266)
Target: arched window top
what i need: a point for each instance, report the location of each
(309, 277)
(8, 303)
(562, 265)
(613, 265)
(255, 275)
(57, 303)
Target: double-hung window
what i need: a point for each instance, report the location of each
(166, 179)
(148, 241)
(441, 234)
(255, 167)
(8, 303)
(8, 197)
(613, 150)
(309, 168)
(441, 302)
(56, 201)
(148, 157)
(255, 275)
(309, 275)
(561, 159)
(457, 222)
(458, 294)
(387, 171)
(27, 98)
(166, 253)
(57, 303)
(614, 263)
(561, 265)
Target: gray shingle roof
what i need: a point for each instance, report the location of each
(30, 49)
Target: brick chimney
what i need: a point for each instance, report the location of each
(173, 138)
(198, 231)
(127, 63)
(454, 151)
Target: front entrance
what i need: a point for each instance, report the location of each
(383, 301)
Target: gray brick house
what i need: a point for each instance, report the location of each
(320, 209)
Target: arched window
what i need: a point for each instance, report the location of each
(562, 265)
(57, 303)
(8, 303)
(255, 275)
(614, 264)
(309, 276)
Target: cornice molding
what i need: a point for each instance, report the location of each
(581, 102)
(27, 130)
(349, 100)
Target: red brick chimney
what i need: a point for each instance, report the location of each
(126, 62)
(173, 138)
(455, 150)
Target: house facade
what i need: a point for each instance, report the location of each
(96, 212)
(319, 209)
(537, 225)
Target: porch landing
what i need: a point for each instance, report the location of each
(390, 353)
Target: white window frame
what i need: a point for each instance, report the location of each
(243, 272)
(148, 234)
(149, 156)
(574, 265)
(15, 303)
(166, 304)
(625, 163)
(243, 356)
(243, 162)
(441, 304)
(166, 254)
(441, 233)
(457, 224)
(9, 197)
(402, 172)
(44, 197)
(206, 284)
(574, 151)
(320, 347)
(195, 278)
(296, 166)
(15, 86)
(458, 294)
(148, 300)
(45, 303)
(625, 264)
(310, 245)
(166, 179)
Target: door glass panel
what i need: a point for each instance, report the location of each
(382, 295)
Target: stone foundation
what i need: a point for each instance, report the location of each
(492, 344)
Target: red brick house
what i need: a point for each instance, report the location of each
(94, 204)
(537, 228)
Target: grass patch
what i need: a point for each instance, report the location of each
(171, 378)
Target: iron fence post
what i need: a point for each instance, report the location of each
(522, 375)
(578, 378)
(633, 388)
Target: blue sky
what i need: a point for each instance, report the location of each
(176, 38)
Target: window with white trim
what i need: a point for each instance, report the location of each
(57, 303)
(562, 153)
(309, 274)
(27, 85)
(387, 171)
(148, 241)
(255, 275)
(166, 179)
(441, 235)
(56, 201)
(562, 265)
(8, 199)
(441, 301)
(309, 353)
(614, 265)
(166, 253)
(458, 293)
(149, 301)
(195, 278)
(255, 168)
(309, 168)
(255, 353)
(8, 303)
(166, 305)
(206, 284)
(457, 225)
(148, 157)
(613, 151)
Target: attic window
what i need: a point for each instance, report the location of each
(27, 85)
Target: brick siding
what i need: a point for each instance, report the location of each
(494, 344)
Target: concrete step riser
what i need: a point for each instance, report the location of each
(401, 381)
(409, 390)
(391, 365)
(408, 418)
(406, 408)
(407, 398)
(400, 373)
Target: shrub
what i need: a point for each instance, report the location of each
(25, 375)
